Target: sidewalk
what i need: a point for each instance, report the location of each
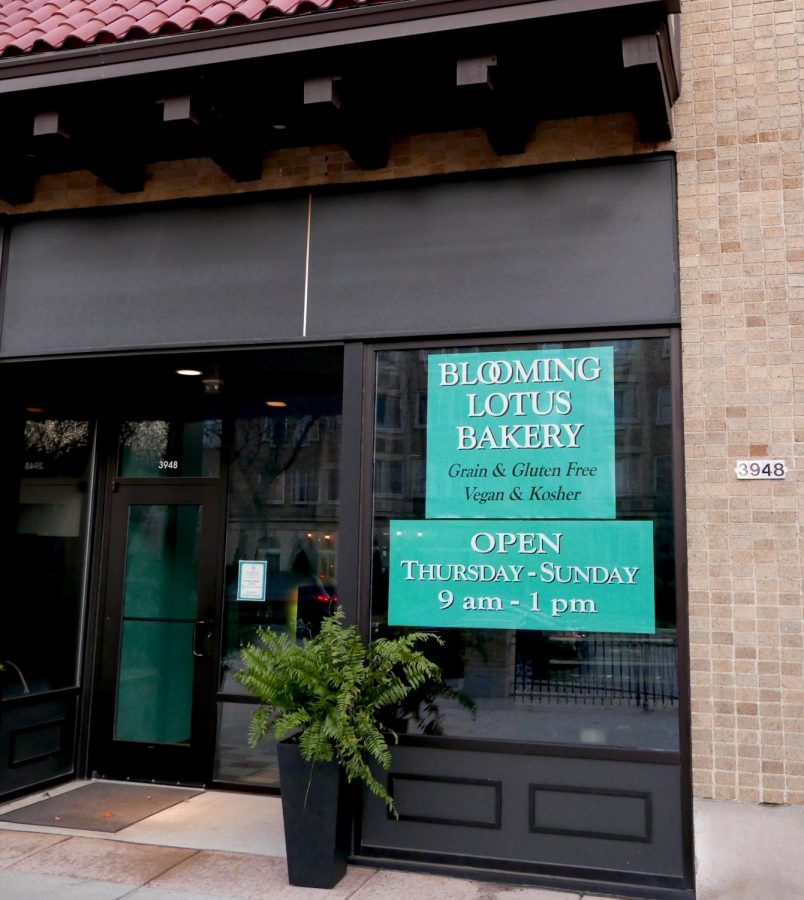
(216, 846)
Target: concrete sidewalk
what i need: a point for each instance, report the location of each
(215, 846)
(220, 845)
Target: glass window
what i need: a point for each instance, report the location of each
(664, 407)
(169, 448)
(235, 761)
(283, 510)
(605, 689)
(155, 677)
(42, 589)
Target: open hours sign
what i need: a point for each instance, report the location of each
(548, 576)
(521, 434)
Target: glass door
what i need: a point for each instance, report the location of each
(159, 638)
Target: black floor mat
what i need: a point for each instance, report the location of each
(100, 806)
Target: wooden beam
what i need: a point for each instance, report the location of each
(231, 135)
(237, 151)
(364, 128)
(647, 78)
(323, 91)
(477, 71)
(181, 109)
(508, 127)
(51, 123)
(237, 140)
(116, 156)
(354, 113)
(367, 142)
(17, 178)
(17, 164)
(503, 109)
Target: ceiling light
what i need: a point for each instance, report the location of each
(37, 410)
(277, 404)
(188, 372)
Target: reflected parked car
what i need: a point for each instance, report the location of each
(294, 602)
(314, 603)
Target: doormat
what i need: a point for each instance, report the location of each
(100, 806)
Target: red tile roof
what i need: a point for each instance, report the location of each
(37, 26)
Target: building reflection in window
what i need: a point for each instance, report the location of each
(42, 590)
(568, 688)
(283, 510)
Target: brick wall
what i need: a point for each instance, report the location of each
(741, 228)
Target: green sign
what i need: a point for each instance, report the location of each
(521, 434)
(547, 576)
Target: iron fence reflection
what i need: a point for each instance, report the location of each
(600, 669)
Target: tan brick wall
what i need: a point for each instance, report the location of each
(459, 151)
(741, 226)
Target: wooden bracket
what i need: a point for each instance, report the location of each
(324, 91)
(477, 71)
(232, 138)
(501, 106)
(17, 179)
(650, 87)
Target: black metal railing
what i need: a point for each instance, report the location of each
(637, 670)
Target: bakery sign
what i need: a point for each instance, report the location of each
(523, 434)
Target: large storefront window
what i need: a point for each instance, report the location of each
(594, 685)
(42, 591)
(283, 521)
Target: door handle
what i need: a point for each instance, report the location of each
(202, 629)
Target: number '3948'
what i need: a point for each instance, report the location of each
(760, 468)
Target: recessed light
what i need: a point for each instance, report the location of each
(279, 126)
(277, 404)
(188, 372)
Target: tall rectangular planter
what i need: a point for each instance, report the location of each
(317, 818)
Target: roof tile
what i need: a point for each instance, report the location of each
(34, 26)
(251, 9)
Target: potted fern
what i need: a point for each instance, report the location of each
(324, 699)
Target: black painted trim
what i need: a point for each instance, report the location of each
(446, 820)
(682, 605)
(157, 619)
(351, 500)
(37, 786)
(522, 748)
(5, 244)
(105, 447)
(245, 699)
(237, 787)
(44, 697)
(599, 792)
(15, 763)
(566, 878)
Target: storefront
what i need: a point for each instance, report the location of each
(190, 386)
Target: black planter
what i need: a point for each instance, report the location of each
(317, 818)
